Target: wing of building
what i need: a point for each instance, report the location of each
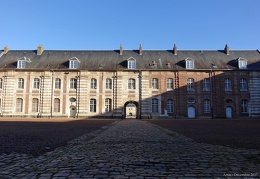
(130, 83)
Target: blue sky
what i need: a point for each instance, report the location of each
(105, 24)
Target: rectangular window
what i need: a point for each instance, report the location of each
(228, 85)
(21, 64)
(73, 64)
(243, 85)
(242, 64)
(73, 83)
(206, 106)
(131, 64)
(108, 83)
(169, 83)
(36, 83)
(170, 106)
(189, 64)
(57, 83)
(108, 105)
(19, 105)
(20, 83)
(155, 105)
(190, 84)
(93, 83)
(56, 105)
(244, 106)
(154, 83)
(131, 83)
(35, 105)
(92, 105)
(206, 84)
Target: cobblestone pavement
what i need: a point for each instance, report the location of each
(134, 149)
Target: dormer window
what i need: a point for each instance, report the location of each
(21, 62)
(74, 63)
(189, 63)
(131, 63)
(242, 63)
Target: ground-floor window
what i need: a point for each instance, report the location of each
(155, 105)
(35, 104)
(244, 106)
(56, 105)
(108, 104)
(206, 106)
(92, 105)
(170, 106)
(19, 105)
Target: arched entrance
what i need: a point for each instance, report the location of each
(73, 111)
(191, 112)
(131, 109)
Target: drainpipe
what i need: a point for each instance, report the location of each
(140, 94)
(52, 91)
(211, 94)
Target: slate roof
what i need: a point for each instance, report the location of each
(112, 60)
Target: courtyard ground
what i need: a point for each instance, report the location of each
(37, 136)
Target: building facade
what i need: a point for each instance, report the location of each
(130, 83)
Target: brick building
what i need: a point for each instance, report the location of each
(130, 83)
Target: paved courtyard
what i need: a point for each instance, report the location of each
(134, 149)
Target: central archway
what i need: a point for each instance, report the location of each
(131, 109)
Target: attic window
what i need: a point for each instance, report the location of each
(242, 63)
(74, 63)
(131, 63)
(189, 63)
(21, 62)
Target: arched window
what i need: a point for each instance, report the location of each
(108, 104)
(73, 83)
(19, 105)
(155, 105)
(169, 83)
(190, 84)
(93, 83)
(155, 83)
(243, 84)
(57, 83)
(56, 105)
(131, 83)
(36, 83)
(108, 83)
(206, 106)
(20, 83)
(92, 105)
(35, 104)
(170, 106)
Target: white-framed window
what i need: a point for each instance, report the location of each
(74, 64)
(155, 83)
(19, 105)
(57, 83)
(93, 105)
(228, 86)
(206, 106)
(1, 83)
(108, 104)
(206, 84)
(243, 84)
(20, 83)
(108, 83)
(36, 83)
(190, 84)
(131, 63)
(56, 105)
(170, 106)
(189, 63)
(155, 105)
(244, 106)
(131, 83)
(21, 64)
(73, 83)
(242, 63)
(169, 83)
(93, 83)
(35, 105)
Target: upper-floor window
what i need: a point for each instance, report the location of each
(169, 83)
(108, 83)
(57, 83)
(206, 84)
(73, 83)
(155, 83)
(190, 84)
(228, 84)
(242, 63)
(131, 83)
(93, 83)
(1, 83)
(131, 63)
(243, 84)
(21, 62)
(20, 83)
(206, 106)
(36, 83)
(189, 63)
(74, 63)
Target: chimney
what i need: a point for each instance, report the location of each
(175, 49)
(121, 50)
(40, 50)
(227, 49)
(6, 49)
(140, 50)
